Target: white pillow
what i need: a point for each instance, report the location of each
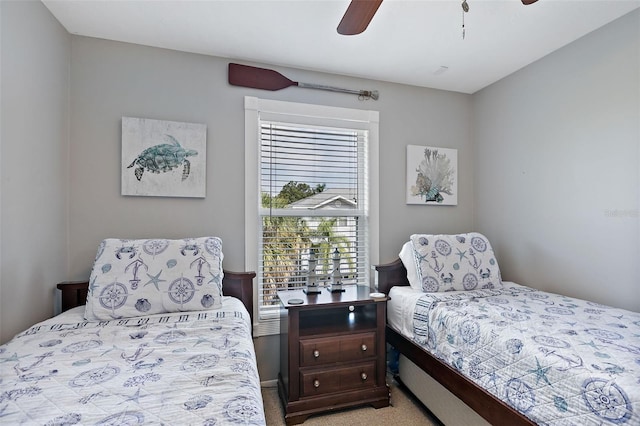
(409, 262)
(455, 262)
(143, 277)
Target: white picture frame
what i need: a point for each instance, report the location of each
(163, 158)
(432, 176)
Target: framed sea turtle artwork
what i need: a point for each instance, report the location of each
(432, 176)
(163, 158)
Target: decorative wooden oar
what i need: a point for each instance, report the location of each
(266, 79)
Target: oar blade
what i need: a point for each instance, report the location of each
(257, 78)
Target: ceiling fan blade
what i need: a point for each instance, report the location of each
(357, 17)
(527, 2)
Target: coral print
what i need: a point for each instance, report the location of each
(431, 175)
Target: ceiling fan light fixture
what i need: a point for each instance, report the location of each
(465, 9)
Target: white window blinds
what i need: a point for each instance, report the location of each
(311, 183)
(313, 197)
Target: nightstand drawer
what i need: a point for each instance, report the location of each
(338, 379)
(337, 349)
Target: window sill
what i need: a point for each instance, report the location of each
(268, 327)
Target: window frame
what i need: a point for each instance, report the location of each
(303, 114)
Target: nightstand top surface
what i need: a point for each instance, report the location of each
(351, 294)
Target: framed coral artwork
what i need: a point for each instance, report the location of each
(163, 158)
(432, 176)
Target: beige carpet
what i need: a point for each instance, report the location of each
(404, 410)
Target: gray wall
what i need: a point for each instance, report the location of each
(34, 163)
(557, 159)
(111, 79)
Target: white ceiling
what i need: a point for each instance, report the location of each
(408, 41)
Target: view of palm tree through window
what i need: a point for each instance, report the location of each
(312, 200)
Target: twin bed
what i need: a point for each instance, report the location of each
(165, 338)
(513, 354)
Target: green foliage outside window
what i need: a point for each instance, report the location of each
(286, 239)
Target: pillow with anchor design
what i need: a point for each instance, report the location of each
(132, 278)
(455, 262)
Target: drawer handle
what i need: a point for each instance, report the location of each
(363, 347)
(363, 376)
(316, 353)
(316, 383)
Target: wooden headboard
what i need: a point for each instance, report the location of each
(390, 275)
(236, 284)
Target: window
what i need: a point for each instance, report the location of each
(311, 190)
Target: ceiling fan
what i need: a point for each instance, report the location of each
(360, 13)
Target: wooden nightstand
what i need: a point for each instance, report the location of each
(332, 351)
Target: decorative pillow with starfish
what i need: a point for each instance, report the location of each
(455, 262)
(132, 278)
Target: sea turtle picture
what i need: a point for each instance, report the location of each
(163, 158)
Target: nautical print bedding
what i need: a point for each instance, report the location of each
(556, 359)
(193, 368)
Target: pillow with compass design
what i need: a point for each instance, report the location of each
(455, 262)
(133, 278)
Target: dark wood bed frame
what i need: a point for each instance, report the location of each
(482, 402)
(236, 284)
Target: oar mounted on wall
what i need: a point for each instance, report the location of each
(266, 79)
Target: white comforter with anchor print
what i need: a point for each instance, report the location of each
(194, 368)
(556, 359)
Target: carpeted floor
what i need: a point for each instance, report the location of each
(404, 410)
